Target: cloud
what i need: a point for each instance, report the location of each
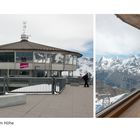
(89, 49)
(115, 37)
(67, 31)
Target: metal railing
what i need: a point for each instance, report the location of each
(78, 81)
(2, 86)
(32, 85)
(37, 85)
(59, 84)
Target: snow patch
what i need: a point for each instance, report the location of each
(36, 89)
(99, 103)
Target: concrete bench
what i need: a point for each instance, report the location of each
(12, 100)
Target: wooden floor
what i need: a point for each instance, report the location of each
(74, 101)
(133, 111)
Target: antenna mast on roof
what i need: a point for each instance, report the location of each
(24, 26)
(24, 36)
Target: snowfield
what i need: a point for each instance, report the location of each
(130, 64)
(35, 89)
(99, 103)
(85, 65)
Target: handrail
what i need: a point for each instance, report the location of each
(52, 82)
(120, 106)
(61, 82)
(78, 80)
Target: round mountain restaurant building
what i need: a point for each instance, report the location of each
(25, 58)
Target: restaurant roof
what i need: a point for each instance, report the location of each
(27, 45)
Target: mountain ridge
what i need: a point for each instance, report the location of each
(120, 72)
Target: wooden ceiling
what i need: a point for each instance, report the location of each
(131, 19)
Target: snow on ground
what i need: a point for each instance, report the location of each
(36, 89)
(114, 99)
(99, 103)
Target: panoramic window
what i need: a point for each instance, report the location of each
(6, 56)
(48, 58)
(39, 57)
(24, 56)
(117, 60)
(75, 60)
(58, 58)
(25, 72)
(68, 59)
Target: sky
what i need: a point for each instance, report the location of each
(67, 31)
(115, 37)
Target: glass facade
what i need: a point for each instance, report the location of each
(74, 60)
(68, 59)
(6, 56)
(24, 56)
(48, 58)
(24, 72)
(39, 57)
(42, 57)
(58, 58)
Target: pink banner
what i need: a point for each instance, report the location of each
(24, 65)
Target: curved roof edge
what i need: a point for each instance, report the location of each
(27, 45)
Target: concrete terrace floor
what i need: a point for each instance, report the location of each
(74, 101)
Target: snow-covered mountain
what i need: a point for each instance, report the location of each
(130, 64)
(120, 72)
(84, 65)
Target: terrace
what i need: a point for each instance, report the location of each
(74, 101)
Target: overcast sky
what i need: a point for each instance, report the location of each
(71, 32)
(114, 37)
